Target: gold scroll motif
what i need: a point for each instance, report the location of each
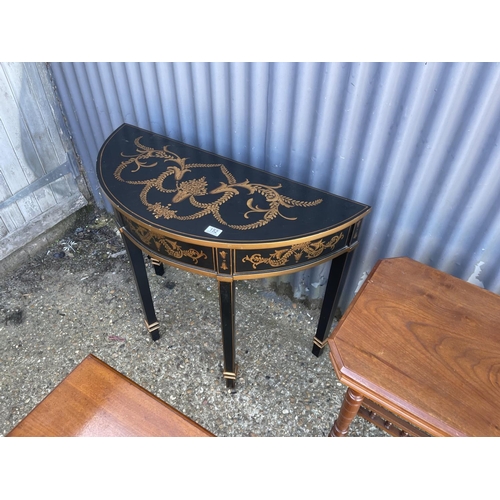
(223, 254)
(194, 189)
(280, 257)
(170, 246)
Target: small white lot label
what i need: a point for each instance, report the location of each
(213, 230)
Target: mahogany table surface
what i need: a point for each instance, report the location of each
(96, 400)
(424, 345)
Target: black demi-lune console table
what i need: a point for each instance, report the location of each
(208, 214)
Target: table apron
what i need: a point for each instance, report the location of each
(213, 259)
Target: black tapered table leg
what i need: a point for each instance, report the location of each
(336, 279)
(136, 258)
(226, 298)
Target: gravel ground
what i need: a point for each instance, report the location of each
(79, 297)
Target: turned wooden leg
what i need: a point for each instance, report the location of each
(350, 406)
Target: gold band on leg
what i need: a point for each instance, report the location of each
(153, 326)
(230, 375)
(319, 343)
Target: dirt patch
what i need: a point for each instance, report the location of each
(90, 247)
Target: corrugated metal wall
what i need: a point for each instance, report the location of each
(417, 141)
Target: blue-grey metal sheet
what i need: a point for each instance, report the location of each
(417, 141)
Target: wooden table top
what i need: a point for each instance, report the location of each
(193, 195)
(424, 345)
(96, 400)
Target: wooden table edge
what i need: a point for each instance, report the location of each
(163, 403)
(93, 358)
(391, 402)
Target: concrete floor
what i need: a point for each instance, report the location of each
(79, 297)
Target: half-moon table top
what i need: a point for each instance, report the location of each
(194, 195)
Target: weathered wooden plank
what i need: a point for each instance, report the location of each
(46, 102)
(11, 216)
(59, 120)
(9, 163)
(3, 228)
(42, 87)
(5, 192)
(32, 144)
(25, 129)
(37, 226)
(50, 143)
(16, 105)
(14, 175)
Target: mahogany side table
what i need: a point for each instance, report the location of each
(419, 351)
(208, 214)
(95, 400)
